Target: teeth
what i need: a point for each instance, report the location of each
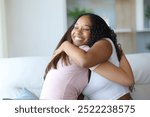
(77, 38)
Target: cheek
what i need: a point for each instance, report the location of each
(88, 36)
(86, 41)
(72, 34)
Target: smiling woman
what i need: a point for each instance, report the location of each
(81, 31)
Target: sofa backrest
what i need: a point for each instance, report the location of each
(141, 68)
(27, 72)
(21, 72)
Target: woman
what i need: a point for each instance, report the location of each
(103, 43)
(59, 86)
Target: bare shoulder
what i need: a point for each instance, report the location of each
(102, 50)
(103, 45)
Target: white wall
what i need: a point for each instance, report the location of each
(34, 27)
(139, 15)
(3, 40)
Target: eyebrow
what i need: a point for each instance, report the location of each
(84, 25)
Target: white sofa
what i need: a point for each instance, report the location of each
(17, 74)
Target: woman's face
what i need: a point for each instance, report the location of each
(82, 31)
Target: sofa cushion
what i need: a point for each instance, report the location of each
(25, 94)
(21, 72)
(141, 67)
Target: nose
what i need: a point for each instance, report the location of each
(79, 31)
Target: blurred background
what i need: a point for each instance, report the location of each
(34, 27)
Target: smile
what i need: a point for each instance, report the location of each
(77, 38)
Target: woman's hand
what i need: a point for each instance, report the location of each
(60, 49)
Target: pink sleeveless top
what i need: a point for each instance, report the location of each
(65, 82)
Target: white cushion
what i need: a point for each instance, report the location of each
(25, 94)
(140, 64)
(141, 92)
(21, 72)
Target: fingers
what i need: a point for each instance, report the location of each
(57, 52)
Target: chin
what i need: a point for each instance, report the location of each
(77, 44)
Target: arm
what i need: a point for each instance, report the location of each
(98, 53)
(124, 64)
(122, 74)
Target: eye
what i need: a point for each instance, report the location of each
(86, 29)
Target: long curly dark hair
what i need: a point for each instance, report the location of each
(99, 30)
